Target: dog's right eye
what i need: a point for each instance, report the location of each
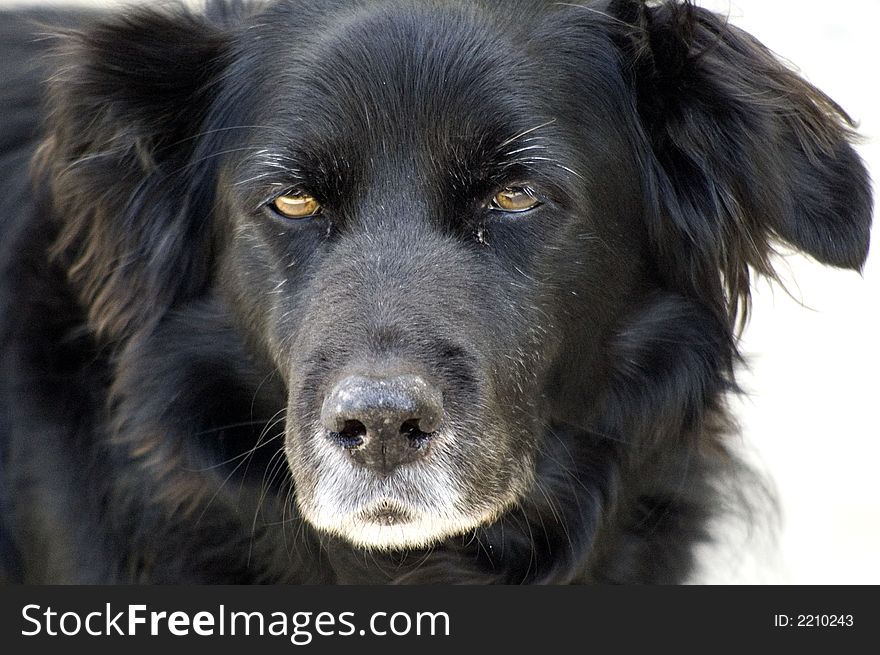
(515, 200)
(296, 206)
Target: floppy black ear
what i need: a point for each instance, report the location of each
(744, 149)
(121, 161)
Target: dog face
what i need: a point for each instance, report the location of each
(454, 231)
(424, 205)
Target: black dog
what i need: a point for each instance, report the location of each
(389, 292)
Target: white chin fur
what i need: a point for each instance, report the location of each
(415, 507)
(418, 531)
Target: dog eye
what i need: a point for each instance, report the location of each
(515, 199)
(296, 205)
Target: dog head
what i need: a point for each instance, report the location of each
(455, 232)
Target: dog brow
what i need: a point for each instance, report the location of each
(525, 132)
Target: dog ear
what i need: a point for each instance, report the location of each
(122, 162)
(744, 150)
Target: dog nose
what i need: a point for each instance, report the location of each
(383, 421)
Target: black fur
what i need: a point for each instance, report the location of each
(167, 340)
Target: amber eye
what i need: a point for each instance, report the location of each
(296, 205)
(515, 199)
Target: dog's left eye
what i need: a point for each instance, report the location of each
(515, 199)
(296, 205)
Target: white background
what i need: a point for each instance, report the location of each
(811, 416)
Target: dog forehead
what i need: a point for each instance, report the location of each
(414, 41)
(452, 94)
(407, 68)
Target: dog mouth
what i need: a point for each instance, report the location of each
(449, 487)
(387, 513)
(414, 507)
(389, 526)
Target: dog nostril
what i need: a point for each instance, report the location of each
(351, 435)
(410, 427)
(416, 437)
